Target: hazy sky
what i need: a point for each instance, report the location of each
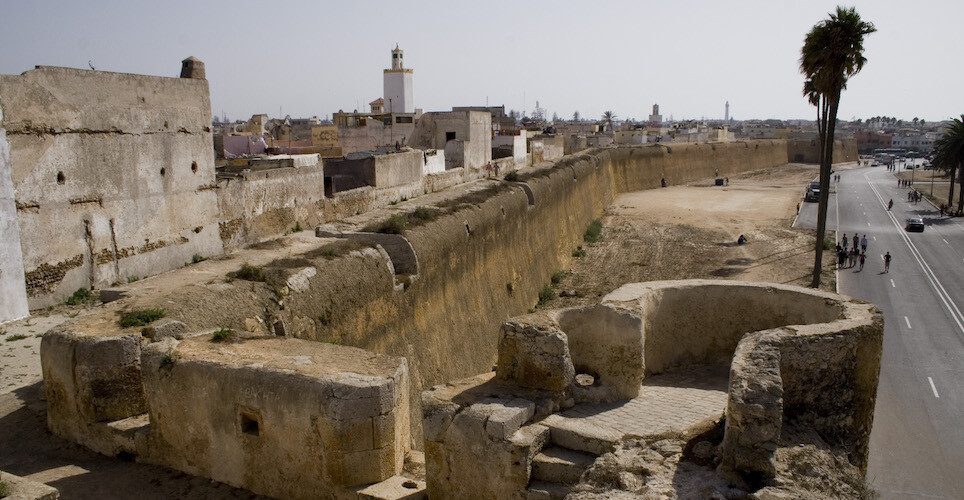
(315, 57)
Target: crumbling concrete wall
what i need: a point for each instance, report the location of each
(113, 175)
(257, 205)
(13, 294)
(808, 151)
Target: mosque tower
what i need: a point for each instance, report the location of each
(399, 95)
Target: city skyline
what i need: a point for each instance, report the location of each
(309, 59)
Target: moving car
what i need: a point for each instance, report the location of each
(915, 224)
(813, 192)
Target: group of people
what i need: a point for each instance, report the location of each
(853, 252)
(848, 251)
(903, 183)
(914, 196)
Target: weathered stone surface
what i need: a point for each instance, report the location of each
(535, 356)
(165, 327)
(18, 488)
(754, 413)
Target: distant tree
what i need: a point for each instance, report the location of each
(949, 156)
(555, 117)
(608, 117)
(921, 122)
(832, 53)
(575, 116)
(915, 120)
(514, 115)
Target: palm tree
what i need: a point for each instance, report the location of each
(609, 117)
(833, 52)
(949, 155)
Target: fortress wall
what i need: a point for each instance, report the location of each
(263, 204)
(808, 151)
(113, 175)
(470, 280)
(482, 262)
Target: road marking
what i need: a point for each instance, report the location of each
(933, 388)
(908, 323)
(875, 238)
(945, 241)
(935, 283)
(892, 283)
(868, 224)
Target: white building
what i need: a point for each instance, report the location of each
(399, 94)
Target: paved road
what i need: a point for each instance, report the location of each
(917, 445)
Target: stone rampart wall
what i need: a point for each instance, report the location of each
(808, 151)
(113, 176)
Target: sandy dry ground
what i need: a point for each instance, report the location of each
(691, 232)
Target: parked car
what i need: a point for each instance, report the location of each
(813, 192)
(915, 224)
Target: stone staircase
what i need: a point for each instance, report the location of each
(555, 469)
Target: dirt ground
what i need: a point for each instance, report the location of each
(932, 184)
(691, 232)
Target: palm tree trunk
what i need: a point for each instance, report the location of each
(829, 112)
(951, 174)
(960, 201)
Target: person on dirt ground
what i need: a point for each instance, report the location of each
(887, 258)
(662, 182)
(863, 244)
(890, 204)
(741, 240)
(863, 257)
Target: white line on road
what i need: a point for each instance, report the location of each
(945, 241)
(935, 283)
(875, 238)
(868, 224)
(933, 388)
(908, 323)
(892, 283)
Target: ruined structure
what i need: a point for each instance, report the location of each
(113, 175)
(465, 136)
(572, 384)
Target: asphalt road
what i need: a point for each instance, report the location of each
(917, 444)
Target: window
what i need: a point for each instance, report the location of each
(449, 136)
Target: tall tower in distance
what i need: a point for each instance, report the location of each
(655, 118)
(398, 93)
(726, 114)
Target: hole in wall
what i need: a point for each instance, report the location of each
(194, 167)
(163, 171)
(503, 211)
(249, 424)
(61, 178)
(410, 485)
(468, 230)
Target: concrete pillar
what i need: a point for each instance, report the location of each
(13, 290)
(192, 67)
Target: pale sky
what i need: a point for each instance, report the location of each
(316, 57)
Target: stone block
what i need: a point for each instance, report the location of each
(164, 328)
(19, 488)
(534, 356)
(506, 418)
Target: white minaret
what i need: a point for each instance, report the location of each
(726, 116)
(399, 96)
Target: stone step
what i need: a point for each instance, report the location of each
(581, 437)
(560, 465)
(542, 490)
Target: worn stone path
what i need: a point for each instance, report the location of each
(675, 401)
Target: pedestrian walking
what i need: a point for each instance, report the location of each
(863, 244)
(887, 262)
(841, 256)
(863, 256)
(890, 204)
(845, 242)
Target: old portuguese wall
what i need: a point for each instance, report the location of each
(113, 176)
